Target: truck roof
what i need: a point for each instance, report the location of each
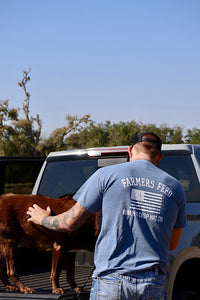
(120, 150)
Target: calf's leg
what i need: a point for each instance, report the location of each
(10, 254)
(56, 269)
(70, 271)
(4, 278)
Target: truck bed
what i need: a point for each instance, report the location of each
(41, 283)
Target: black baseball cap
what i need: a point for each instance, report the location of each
(143, 136)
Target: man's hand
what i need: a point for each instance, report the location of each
(37, 214)
(69, 220)
(176, 236)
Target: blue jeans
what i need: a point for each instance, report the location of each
(136, 286)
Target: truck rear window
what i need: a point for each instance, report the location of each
(63, 178)
(182, 168)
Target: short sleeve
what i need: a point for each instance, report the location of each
(90, 193)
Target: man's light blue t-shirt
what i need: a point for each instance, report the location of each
(141, 205)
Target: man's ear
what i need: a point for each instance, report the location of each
(130, 151)
(159, 159)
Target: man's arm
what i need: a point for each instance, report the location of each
(68, 221)
(176, 235)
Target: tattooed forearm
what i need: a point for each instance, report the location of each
(67, 221)
(75, 217)
(50, 223)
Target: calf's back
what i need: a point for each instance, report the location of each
(14, 225)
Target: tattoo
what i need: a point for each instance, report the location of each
(68, 221)
(50, 224)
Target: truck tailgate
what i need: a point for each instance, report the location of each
(41, 283)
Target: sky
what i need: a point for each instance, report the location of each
(117, 60)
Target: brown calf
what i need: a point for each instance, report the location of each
(16, 231)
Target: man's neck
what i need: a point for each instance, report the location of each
(142, 156)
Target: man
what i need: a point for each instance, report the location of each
(143, 213)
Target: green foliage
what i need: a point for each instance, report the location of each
(60, 138)
(18, 135)
(193, 136)
(105, 135)
(21, 135)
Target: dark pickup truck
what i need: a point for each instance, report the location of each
(64, 172)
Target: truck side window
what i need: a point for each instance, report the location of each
(181, 167)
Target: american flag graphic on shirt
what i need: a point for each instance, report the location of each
(146, 201)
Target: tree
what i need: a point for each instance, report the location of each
(21, 135)
(93, 135)
(170, 135)
(108, 135)
(18, 135)
(60, 138)
(28, 123)
(122, 133)
(193, 136)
